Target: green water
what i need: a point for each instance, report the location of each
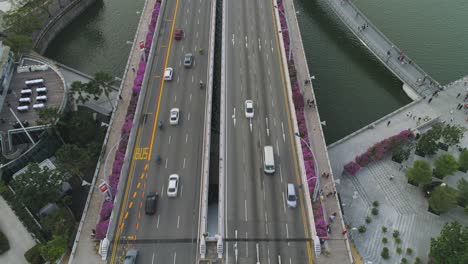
(352, 87)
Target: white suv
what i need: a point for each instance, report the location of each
(173, 186)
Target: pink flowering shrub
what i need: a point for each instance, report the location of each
(352, 168)
(107, 206)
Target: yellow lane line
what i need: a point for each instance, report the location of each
(127, 189)
(296, 162)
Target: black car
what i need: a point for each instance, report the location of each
(150, 203)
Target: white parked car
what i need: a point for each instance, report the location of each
(173, 186)
(249, 109)
(168, 74)
(174, 119)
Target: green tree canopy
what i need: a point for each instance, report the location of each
(452, 135)
(80, 128)
(463, 159)
(49, 116)
(463, 191)
(451, 247)
(442, 199)
(19, 20)
(427, 144)
(103, 83)
(19, 44)
(79, 90)
(36, 187)
(54, 248)
(73, 159)
(420, 172)
(60, 222)
(445, 165)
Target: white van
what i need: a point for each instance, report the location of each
(292, 197)
(268, 160)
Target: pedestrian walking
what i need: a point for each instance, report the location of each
(458, 95)
(451, 119)
(332, 217)
(120, 97)
(429, 101)
(133, 69)
(388, 123)
(308, 101)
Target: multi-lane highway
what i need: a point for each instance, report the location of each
(258, 224)
(169, 236)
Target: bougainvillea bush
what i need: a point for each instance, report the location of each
(378, 151)
(114, 177)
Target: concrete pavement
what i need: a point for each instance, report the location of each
(20, 239)
(85, 250)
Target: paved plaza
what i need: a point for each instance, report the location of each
(403, 207)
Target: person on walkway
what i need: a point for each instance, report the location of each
(133, 69)
(429, 101)
(388, 123)
(391, 177)
(458, 95)
(332, 217)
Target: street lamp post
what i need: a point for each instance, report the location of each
(316, 170)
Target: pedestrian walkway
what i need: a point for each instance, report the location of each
(337, 246)
(85, 249)
(20, 239)
(388, 53)
(403, 207)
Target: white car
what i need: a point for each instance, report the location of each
(173, 186)
(249, 109)
(174, 119)
(168, 74)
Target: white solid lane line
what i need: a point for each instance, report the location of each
(245, 209)
(152, 260)
(287, 232)
(157, 223)
(284, 202)
(175, 257)
(178, 222)
(246, 245)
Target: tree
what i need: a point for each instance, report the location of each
(442, 199)
(49, 116)
(4, 243)
(451, 247)
(39, 4)
(103, 83)
(20, 20)
(80, 128)
(420, 173)
(463, 192)
(463, 160)
(453, 134)
(445, 165)
(54, 248)
(60, 222)
(79, 90)
(427, 144)
(36, 186)
(19, 44)
(73, 159)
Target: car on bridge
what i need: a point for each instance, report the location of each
(188, 60)
(173, 186)
(179, 33)
(174, 119)
(131, 256)
(168, 74)
(150, 203)
(249, 109)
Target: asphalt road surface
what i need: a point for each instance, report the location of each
(169, 236)
(259, 225)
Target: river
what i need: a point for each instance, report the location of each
(352, 87)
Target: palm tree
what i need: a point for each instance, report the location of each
(104, 82)
(80, 90)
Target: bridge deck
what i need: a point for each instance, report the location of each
(387, 52)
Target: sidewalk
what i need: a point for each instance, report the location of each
(86, 249)
(337, 245)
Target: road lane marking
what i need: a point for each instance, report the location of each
(284, 135)
(178, 221)
(162, 191)
(246, 245)
(134, 194)
(138, 185)
(183, 166)
(152, 260)
(157, 223)
(192, 78)
(181, 189)
(188, 117)
(196, 34)
(281, 175)
(170, 137)
(284, 202)
(165, 166)
(175, 98)
(245, 209)
(287, 232)
(277, 148)
(178, 77)
(190, 97)
(267, 128)
(186, 138)
(233, 40)
(234, 116)
(268, 254)
(266, 222)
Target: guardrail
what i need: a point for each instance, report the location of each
(104, 145)
(377, 50)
